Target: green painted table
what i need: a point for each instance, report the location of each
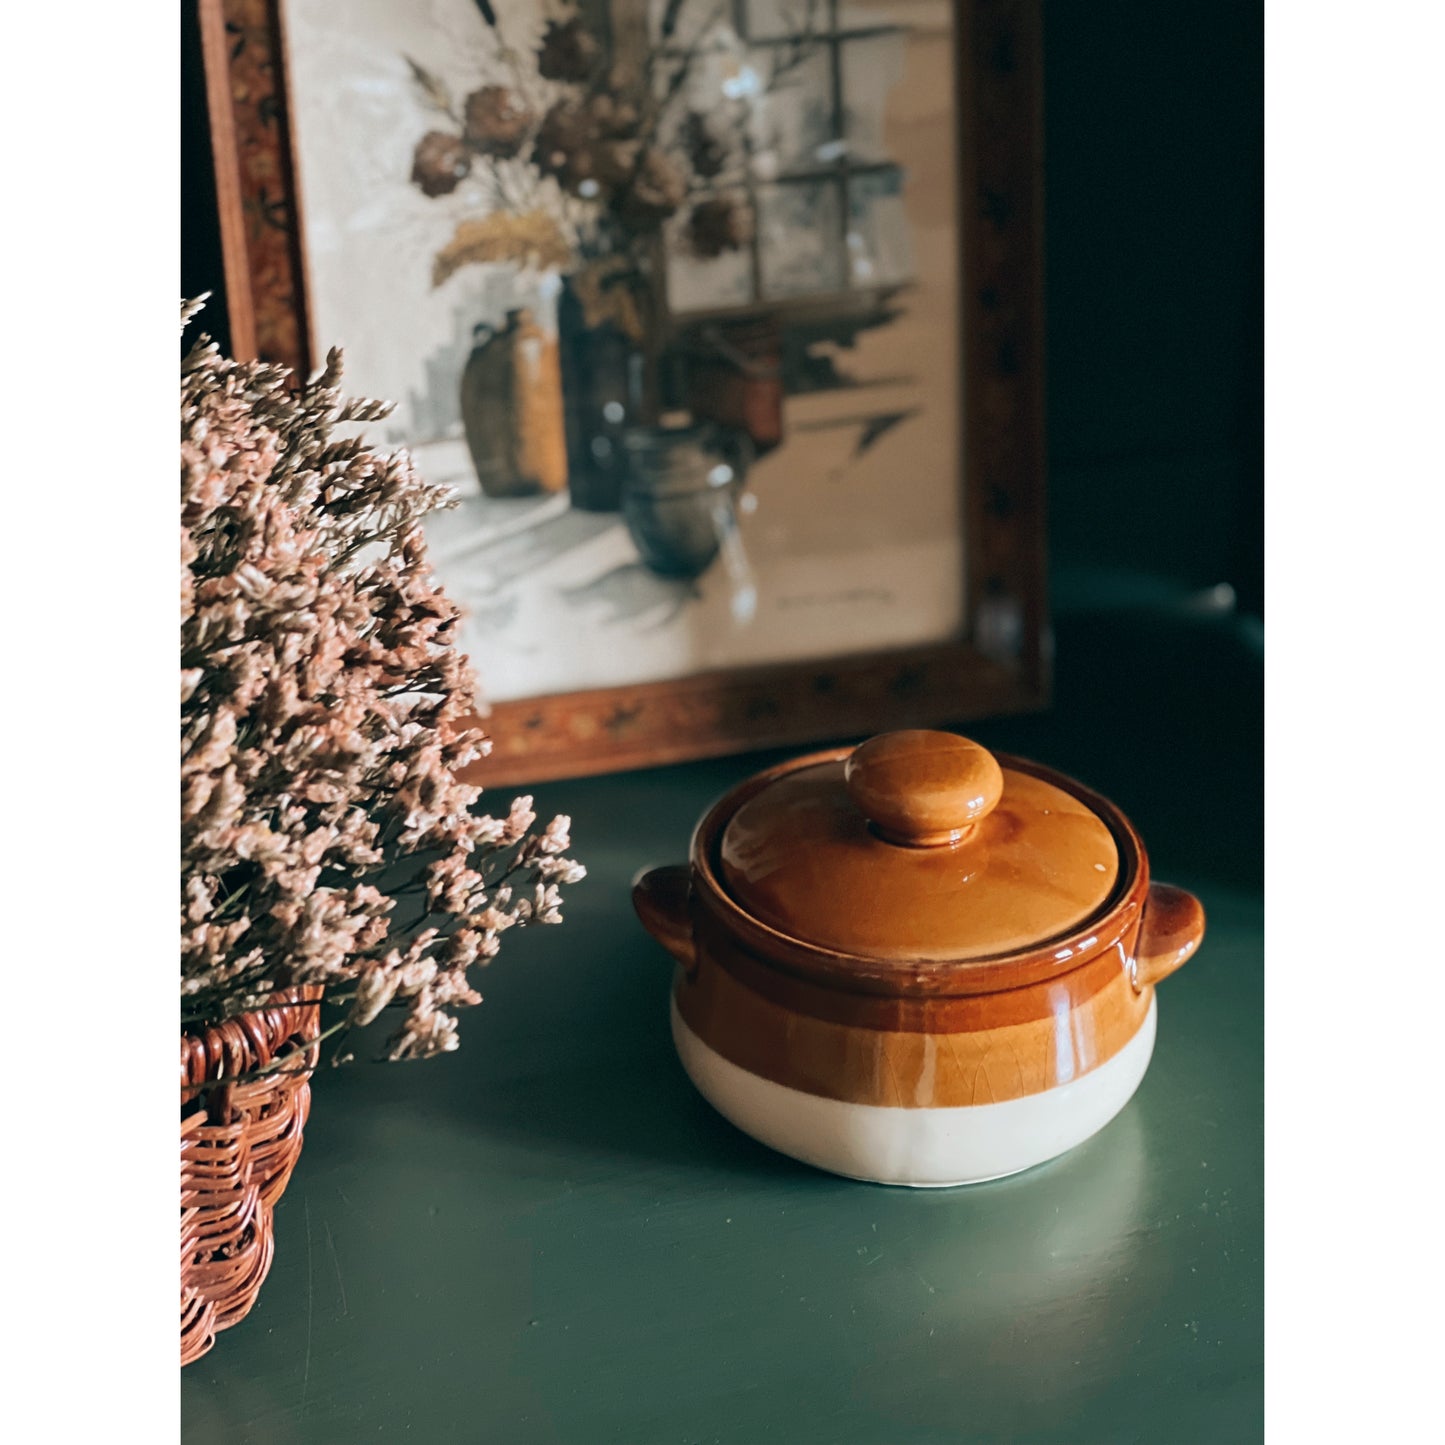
(548, 1236)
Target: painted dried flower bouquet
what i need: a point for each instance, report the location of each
(584, 139)
(325, 837)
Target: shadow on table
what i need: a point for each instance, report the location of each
(640, 1107)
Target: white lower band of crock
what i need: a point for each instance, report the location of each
(922, 1147)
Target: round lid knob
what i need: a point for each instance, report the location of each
(923, 789)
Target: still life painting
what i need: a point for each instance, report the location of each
(668, 292)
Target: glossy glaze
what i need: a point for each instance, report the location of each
(921, 788)
(803, 858)
(1174, 928)
(939, 1054)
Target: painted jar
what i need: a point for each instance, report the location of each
(913, 962)
(511, 402)
(680, 493)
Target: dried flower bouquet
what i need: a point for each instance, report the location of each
(325, 837)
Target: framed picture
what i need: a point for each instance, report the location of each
(723, 317)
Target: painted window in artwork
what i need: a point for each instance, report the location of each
(805, 85)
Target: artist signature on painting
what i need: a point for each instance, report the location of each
(854, 595)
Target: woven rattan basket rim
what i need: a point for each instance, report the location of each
(249, 1041)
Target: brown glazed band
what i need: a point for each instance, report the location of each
(941, 1013)
(909, 1053)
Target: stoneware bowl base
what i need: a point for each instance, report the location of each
(919, 1148)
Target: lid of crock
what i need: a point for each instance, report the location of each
(918, 846)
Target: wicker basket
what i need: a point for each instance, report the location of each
(239, 1144)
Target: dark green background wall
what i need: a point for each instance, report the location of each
(1154, 235)
(1154, 193)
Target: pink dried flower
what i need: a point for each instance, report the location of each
(323, 720)
(519, 820)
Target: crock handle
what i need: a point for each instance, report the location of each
(660, 897)
(1172, 929)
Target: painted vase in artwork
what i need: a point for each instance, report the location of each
(607, 386)
(511, 396)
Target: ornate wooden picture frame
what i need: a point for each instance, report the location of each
(999, 663)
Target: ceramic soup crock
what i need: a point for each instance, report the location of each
(914, 962)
